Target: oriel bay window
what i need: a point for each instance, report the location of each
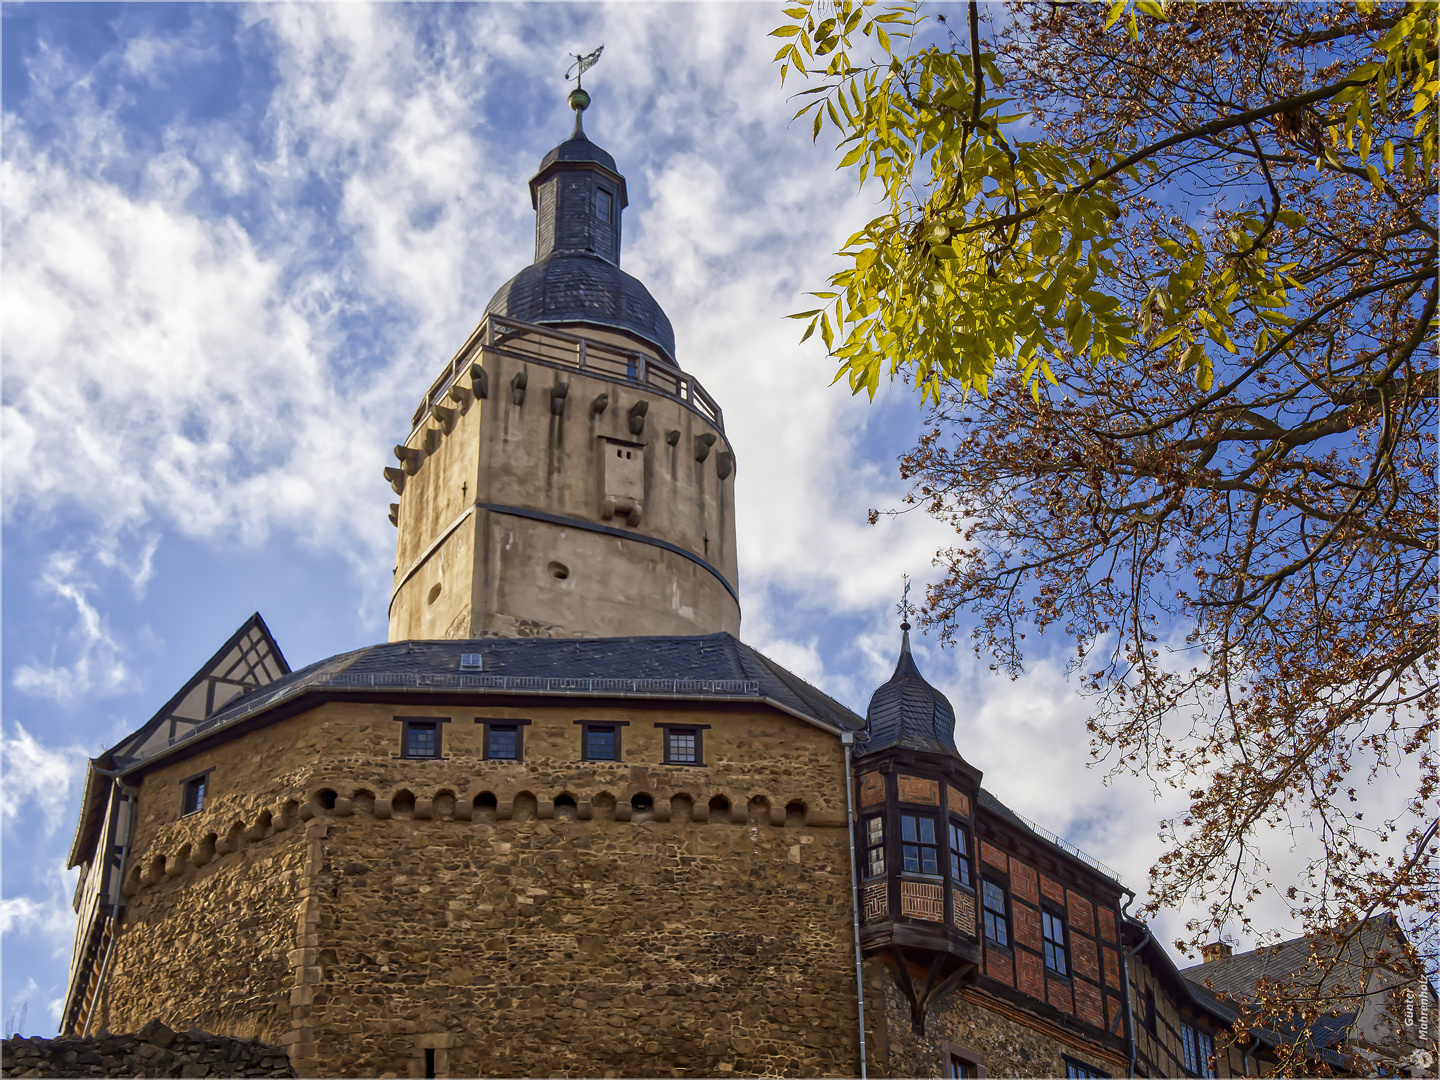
(959, 855)
(919, 850)
(874, 843)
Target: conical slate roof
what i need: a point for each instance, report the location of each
(908, 712)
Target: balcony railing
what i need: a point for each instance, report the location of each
(545, 345)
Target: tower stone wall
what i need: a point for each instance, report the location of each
(549, 916)
(570, 503)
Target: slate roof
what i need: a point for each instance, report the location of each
(580, 289)
(699, 666)
(1237, 976)
(579, 148)
(908, 712)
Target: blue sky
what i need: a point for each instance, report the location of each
(238, 244)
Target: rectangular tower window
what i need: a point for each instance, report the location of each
(1053, 930)
(874, 846)
(959, 855)
(192, 793)
(502, 742)
(420, 739)
(604, 205)
(997, 925)
(918, 849)
(600, 741)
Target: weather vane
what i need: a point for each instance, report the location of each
(905, 608)
(579, 99)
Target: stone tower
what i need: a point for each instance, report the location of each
(563, 477)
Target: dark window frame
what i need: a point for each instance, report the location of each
(605, 205)
(954, 827)
(1074, 1067)
(407, 723)
(920, 846)
(956, 1054)
(698, 730)
(586, 725)
(502, 722)
(1151, 1026)
(986, 912)
(871, 849)
(1197, 1048)
(1055, 949)
(200, 782)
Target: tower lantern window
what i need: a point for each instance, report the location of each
(604, 205)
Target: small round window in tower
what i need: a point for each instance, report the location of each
(434, 593)
(558, 570)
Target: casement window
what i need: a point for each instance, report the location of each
(1083, 1071)
(504, 740)
(600, 741)
(919, 852)
(992, 904)
(874, 837)
(193, 791)
(1199, 1050)
(420, 739)
(684, 743)
(1052, 929)
(959, 855)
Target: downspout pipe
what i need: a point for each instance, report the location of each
(847, 743)
(1129, 1008)
(132, 798)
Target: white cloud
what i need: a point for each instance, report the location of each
(38, 778)
(97, 666)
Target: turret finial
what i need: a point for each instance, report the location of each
(905, 609)
(579, 99)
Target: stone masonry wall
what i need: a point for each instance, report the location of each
(381, 916)
(1008, 1043)
(154, 1051)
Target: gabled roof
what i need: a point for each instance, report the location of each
(248, 660)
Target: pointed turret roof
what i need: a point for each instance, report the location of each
(576, 280)
(908, 712)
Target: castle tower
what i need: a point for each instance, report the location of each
(563, 476)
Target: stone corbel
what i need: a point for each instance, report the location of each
(621, 506)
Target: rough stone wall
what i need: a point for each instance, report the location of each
(154, 1051)
(208, 947)
(550, 916)
(1009, 1043)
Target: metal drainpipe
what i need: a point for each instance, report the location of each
(133, 797)
(1125, 973)
(847, 742)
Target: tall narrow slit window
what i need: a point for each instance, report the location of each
(959, 855)
(920, 853)
(1052, 928)
(604, 205)
(997, 922)
(874, 846)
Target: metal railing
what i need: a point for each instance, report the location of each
(1065, 846)
(529, 684)
(531, 343)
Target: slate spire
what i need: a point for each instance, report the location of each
(579, 195)
(908, 712)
